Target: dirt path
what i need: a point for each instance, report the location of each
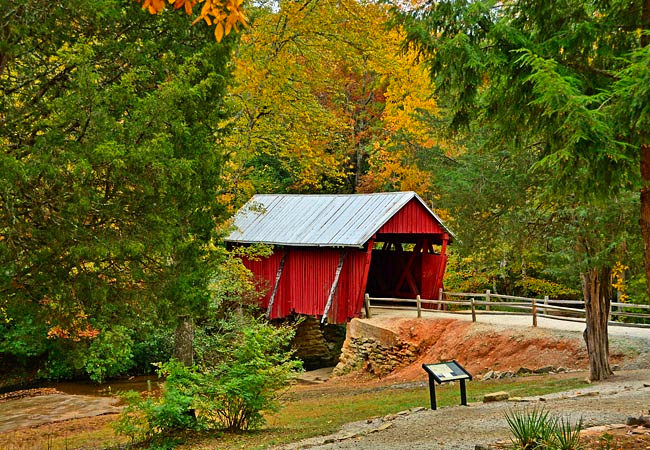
(460, 428)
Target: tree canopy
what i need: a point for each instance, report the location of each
(111, 159)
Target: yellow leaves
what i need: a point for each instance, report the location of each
(224, 15)
(618, 282)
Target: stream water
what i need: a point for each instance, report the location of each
(109, 388)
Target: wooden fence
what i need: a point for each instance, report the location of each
(489, 303)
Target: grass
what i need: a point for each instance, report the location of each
(324, 414)
(307, 412)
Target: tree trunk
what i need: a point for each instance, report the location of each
(645, 169)
(645, 211)
(597, 292)
(184, 341)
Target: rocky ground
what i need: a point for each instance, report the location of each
(40, 406)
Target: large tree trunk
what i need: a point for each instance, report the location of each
(645, 168)
(597, 292)
(645, 211)
(184, 341)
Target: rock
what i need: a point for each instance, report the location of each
(616, 367)
(347, 436)
(389, 417)
(383, 427)
(417, 409)
(638, 421)
(404, 413)
(488, 376)
(495, 397)
(524, 371)
(646, 384)
(546, 369)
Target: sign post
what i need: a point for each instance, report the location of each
(444, 372)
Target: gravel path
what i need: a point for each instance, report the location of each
(460, 428)
(517, 321)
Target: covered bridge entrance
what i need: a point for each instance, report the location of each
(329, 250)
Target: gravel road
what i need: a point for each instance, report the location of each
(460, 428)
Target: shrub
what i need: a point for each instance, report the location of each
(109, 355)
(538, 429)
(249, 364)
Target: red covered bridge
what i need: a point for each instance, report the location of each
(329, 250)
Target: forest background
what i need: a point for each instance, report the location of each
(128, 140)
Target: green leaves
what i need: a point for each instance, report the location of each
(111, 161)
(231, 392)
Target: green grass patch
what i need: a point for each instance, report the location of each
(325, 413)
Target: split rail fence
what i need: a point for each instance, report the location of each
(490, 303)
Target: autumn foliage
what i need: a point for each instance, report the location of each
(223, 15)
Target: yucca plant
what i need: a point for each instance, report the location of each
(538, 429)
(567, 436)
(531, 429)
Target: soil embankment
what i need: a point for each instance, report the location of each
(396, 348)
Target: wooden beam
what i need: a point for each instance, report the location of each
(406, 274)
(278, 274)
(366, 268)
(335, 284)
(445, 240)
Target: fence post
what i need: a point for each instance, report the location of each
(366, 305)
(534, 313)
(440, 305)
(417, 299)
(473, 310)
(545, 303)
(487, 299)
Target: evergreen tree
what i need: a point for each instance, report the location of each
(555, 79)
(110, 158)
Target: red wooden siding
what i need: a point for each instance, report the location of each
(433, 269)
(412, 218)
(306, 281)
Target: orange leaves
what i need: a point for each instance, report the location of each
(75, 334)
(187, 4)
(224, 15)
(153, 6)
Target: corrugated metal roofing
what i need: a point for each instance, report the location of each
(317, 220)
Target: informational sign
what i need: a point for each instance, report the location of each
(444, 372)
(447, 371)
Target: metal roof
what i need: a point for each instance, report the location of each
(317, 220)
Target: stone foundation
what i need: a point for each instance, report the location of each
(318, 345)
(375, 350)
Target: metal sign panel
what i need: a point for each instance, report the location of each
(447, 371)
(444, 372)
